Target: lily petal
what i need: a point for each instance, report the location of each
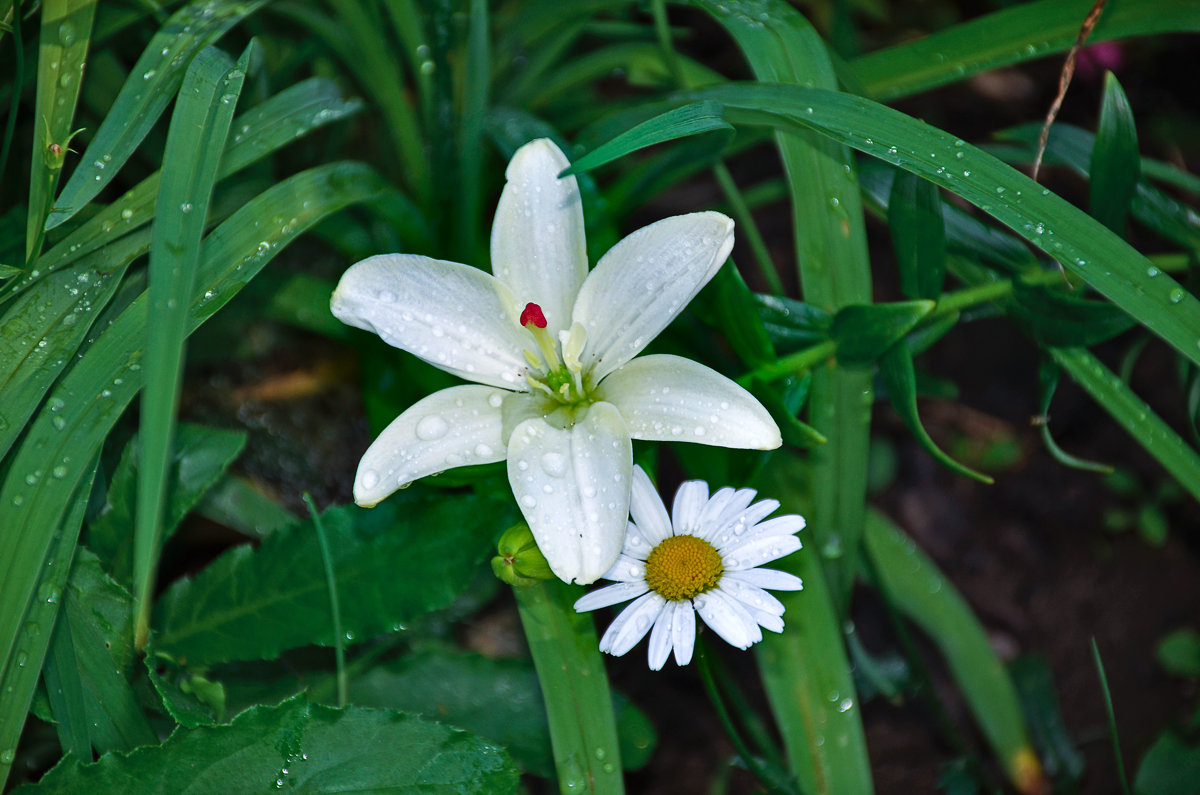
(667, 398)
(453, 316)
(453, 427)
(538, 245)
(644, 281)
(572, 485)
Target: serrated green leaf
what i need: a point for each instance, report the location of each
(923, 593)
(864, 332)
(896, 372)
(412, 554)
(153, 82)
(499, 700)
(304, 746)
(914, 214)
(199, 458)
(1116, 165)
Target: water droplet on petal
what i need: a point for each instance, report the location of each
(554, 465)
(370, 479)
(431, 428)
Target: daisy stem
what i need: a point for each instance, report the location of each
(566, 654)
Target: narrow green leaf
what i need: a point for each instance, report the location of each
(151, 85)
(62, 53)
(30, 594)
(1035, 684)
(896, 372)
(477, 81)
(254, 603)
(923, 593)
(195, 140)
(864, 332)
(199, 458)
(575, 690)
(1116, 164)
(791, 324)
(303, 746)
(1146, 427)
(1013, 35)
(1112, 719)
(1057, 317)
(1048, 374)
(701, 117)
(1077, 241)
(914, 215)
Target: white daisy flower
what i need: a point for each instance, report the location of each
(702, 559)
(551, 347)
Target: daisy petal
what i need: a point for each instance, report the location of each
(572, 485)
(647, 509)
(610, 595)
(453, 316)
(751, 596)
(669, 398)
(728, 619)
(537, 235)
(769, 578)
(689, 503)
(683, 632)
(644, 281)
(661, 637)
(632, 624)
(748, 554)
(450, 428)
(627, 569)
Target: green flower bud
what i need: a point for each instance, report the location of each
(519, 561)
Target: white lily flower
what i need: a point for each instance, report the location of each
(549, 347)
(704, 559)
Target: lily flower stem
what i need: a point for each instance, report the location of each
(583, 730)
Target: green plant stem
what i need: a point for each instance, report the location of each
(583, 730)
(796, 364)
(1112, 718)
(339, 639)
(747, 227)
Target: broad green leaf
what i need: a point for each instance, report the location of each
(237, 504)
(1179, 653)
(914, 214)
(570, 671)
(1053, 316)
(864, 332)
(1146, 427)
(31, 592)
(413, 553)
(1078, 242)
(62, 53)
(1016, 34)
(499, 700)
(199, 458)
(896, 372)
(151, 85)
(1115, 165)
(1170, 767)
(304, 746)
(923, 593)
(190, 699)
(94, 643)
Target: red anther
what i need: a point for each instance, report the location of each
(533, 314)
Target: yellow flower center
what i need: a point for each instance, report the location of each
(683, 567)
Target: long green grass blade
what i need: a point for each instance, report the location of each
(477, 80)
(29, 614)
(1115, 165)
(151, 85)
(921, 591)
(279, 120)
(1146, 427)
(62, 51)
(195, 141)
(1080, 243)
(1013, 35)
